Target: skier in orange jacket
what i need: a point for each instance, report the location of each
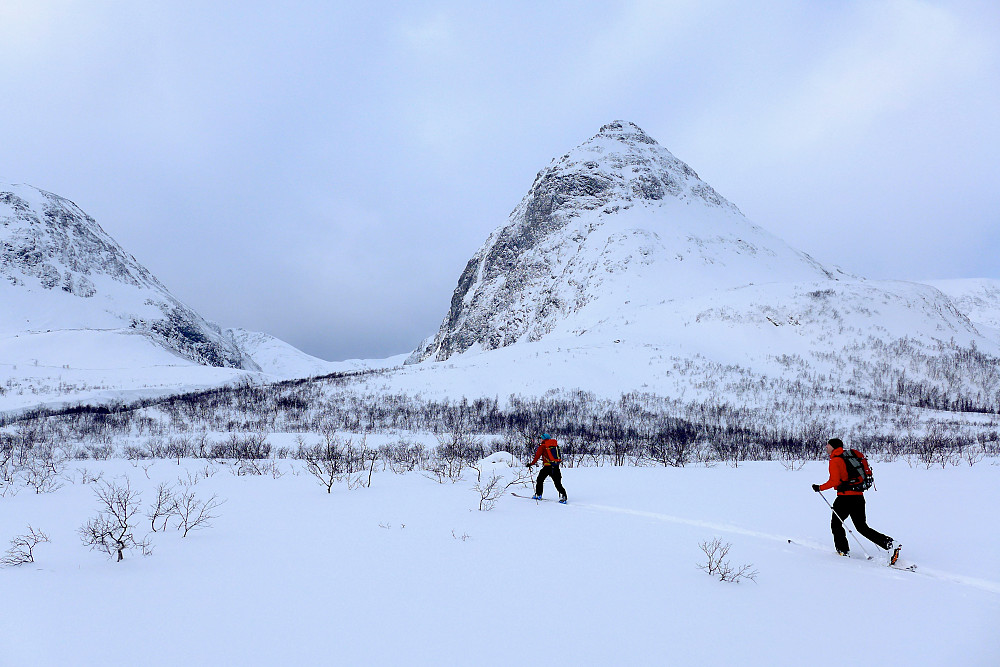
(849, 503)
(548, 452)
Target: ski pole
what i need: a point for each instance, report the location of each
(845, 525)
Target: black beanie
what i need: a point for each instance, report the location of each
(836, 443)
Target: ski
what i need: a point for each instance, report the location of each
(548, 500)
(895, 565)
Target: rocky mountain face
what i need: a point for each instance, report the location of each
(60, 271)
(617, 218)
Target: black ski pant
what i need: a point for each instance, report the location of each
(853, 507)
(556, 475)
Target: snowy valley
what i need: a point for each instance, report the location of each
(690, 363)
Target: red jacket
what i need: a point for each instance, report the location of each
(545, 453)
(838, 474)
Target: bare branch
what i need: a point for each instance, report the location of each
(22, 547)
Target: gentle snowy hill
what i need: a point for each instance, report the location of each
(278, 359)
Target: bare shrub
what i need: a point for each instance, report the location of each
(164, 507)
(493, 485)
(974, 453)
(671, 450)
(42, 472)
(193, 513)
(9, 469)
(339, 460)
(113, 529)
(255, 467)
(457, 448)
(22, 548)
(792, 460)
(136, 453)
(178, 447)
(717, 565)
(242, 446)
(405, 456)
(100, 452)
(327, 462)
(87, 477)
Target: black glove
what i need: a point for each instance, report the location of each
(816, 488)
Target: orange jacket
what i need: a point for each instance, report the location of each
(544, 452)
(838, 474)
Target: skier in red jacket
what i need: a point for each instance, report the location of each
(849, 503)
(548, 451)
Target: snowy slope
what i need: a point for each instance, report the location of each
(83, 320)
(979, 299)
(277, 359)
(751, 346)
(409, 572)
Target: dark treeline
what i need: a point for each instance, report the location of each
(636, 428)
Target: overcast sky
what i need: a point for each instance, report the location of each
(323, 171)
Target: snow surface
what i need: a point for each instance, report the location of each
(408, 571)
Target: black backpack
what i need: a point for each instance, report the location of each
(859, 473)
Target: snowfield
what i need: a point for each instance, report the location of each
(409, 571)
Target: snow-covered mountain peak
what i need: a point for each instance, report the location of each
(625, 131)
(618, 167)
(618, 219)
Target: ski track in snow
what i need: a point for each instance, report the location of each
(983, 584)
